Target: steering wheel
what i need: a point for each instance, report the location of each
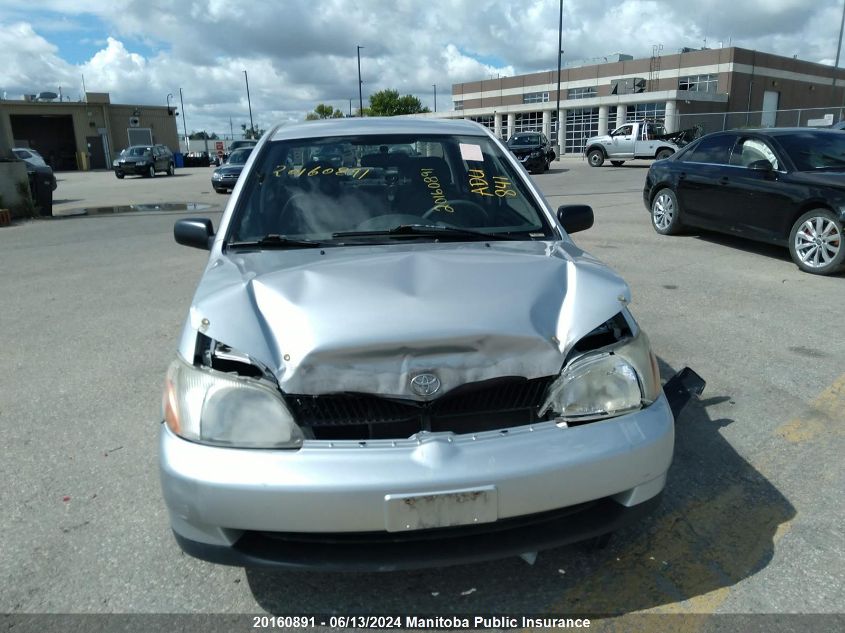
(437, 213)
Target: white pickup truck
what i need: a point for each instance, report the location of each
(642, 139)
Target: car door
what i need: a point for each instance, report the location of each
(622, 141)
(646, 145)
(759, 202)
(700, 173)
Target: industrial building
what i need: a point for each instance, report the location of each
(82, 135)
(715, 88)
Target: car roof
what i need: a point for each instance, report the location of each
(376, 126)
(779, 131)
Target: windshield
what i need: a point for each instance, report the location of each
(138, 151)
(239, 156)
(311, 189)
(525, 139)
(810, 151)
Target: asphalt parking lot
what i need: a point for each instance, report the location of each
(751, 521)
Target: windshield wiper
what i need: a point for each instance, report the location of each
(427, 230)
(274, 240)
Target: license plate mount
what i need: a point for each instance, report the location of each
(420, 511)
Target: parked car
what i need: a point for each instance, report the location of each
(242, 143)
(144, 160)
(223, 178)
(352, 392)
(783, 186)
(29, 155)
(533, 150)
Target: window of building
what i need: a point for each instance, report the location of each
(535, 97)
(699, 83)
(581, 124)
(459, 105)
(527, 122)
(487, 120)
(642, 111)
(581, 93)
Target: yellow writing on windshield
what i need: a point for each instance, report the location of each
(356, 173)
(436, 190)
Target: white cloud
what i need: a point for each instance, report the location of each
(301, 53)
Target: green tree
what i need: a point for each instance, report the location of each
(389, 103)
(323, 111)
(253, 133)
(202, 134)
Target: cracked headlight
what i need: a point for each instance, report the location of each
(214, 407)
(606, 383)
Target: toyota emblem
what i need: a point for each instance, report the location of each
(425, 384)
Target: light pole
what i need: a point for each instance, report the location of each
(360, 93)
(249, 104)
(559, 53)
(184, 122)
(169, 97)
(350, 106)
(435, 97)
(836, 63)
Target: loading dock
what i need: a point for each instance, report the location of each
(51, 135)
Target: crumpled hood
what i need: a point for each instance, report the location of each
(368, 318)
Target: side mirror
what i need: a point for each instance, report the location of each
(194, 232)
(760, 165)
(575, 217)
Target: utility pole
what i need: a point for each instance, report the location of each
(360, 93)
(350, 106)
(184, 121)
(231, 129)
(559, 53)
(249, 103)
(435, 97)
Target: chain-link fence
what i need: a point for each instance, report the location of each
(800, 117)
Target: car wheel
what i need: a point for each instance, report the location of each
(815, 242)
(617, 163)
(665, 213)
(151, 172)
(220, 190)
(664, 154)
(595, 157)
(119, 174)
(170, 169)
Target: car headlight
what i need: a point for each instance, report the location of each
(606, 383)
(213, 407)
(216, 175)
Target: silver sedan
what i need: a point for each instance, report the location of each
(399, 359)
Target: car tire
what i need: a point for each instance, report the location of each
(171, 169)
(151, 172)
(666, 213)
(595, 157)
(119, 174)
(617, 163)
(664, 154)
(816, 243)
(220, 191)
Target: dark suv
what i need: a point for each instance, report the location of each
(144, 160)
(533, 150)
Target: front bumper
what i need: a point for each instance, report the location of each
(238, 505)
(133, 168)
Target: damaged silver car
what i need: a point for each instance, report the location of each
(399, 359)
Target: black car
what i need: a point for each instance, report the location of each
(224, 177)
(785, 186)
(144, 160)
(533, 150)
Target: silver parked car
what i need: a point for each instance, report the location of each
(399, 360)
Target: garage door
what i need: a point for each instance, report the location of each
(51, 135)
